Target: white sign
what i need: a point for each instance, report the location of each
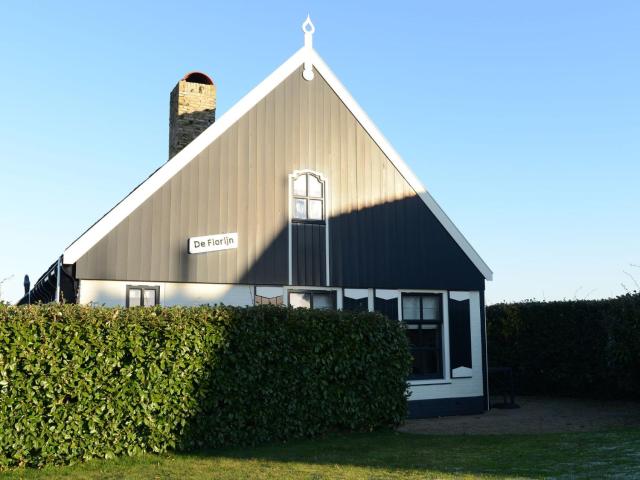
(212, 243)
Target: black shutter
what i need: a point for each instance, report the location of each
(389, 308)
(355, 305)
(460, 333)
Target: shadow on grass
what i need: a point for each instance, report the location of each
(382, 454)
(572, 454)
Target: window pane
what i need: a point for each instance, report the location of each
(315, 209)
(300, 186)
(426, 363)
(431, 307)
(315, 187)
(134, 297)
(410, 308)
(323, 301)
(413, 335)
(300, 208)
(260, 300)
(300, 300)
(149, 297)
(432, 362)
(425, 340)
(430, 336)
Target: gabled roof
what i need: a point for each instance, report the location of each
(162, 175)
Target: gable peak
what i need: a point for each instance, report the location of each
(309, 29)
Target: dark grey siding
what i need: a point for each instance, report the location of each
(398, 244)
(308, 254)
(381, 234)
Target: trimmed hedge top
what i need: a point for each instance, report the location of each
(585, 348)
(79, 382)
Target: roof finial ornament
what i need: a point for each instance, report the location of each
(308, 29)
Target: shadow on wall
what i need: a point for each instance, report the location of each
(398, 244)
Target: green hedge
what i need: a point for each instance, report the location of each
(582, 348)
(79, 382)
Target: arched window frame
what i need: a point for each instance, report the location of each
(307, 197)
(325, 215)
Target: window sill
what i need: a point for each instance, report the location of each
(307, 221)
(435, 381)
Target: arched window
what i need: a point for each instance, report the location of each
(308, 198)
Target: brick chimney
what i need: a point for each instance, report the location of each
(192, 108)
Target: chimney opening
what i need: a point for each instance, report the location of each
(198, 77)
(192, 109)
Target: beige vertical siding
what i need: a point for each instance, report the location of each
(240, 184)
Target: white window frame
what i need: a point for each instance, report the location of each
(142, 287)
(338, 291)
(327, 209)
(444, 295)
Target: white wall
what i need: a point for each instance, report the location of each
(205, 293)
(113, 293)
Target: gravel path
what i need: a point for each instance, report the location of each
(535, 415)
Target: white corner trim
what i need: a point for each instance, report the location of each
(399, 163)
(306, 55)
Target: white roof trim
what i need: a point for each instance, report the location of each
(399, 163)
(123, 209)
(109, 221)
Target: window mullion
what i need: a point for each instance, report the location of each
(306, 177)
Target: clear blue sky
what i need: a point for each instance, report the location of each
(522, 119)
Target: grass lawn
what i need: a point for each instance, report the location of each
(384, 455)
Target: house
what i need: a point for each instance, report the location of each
(292, 197)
